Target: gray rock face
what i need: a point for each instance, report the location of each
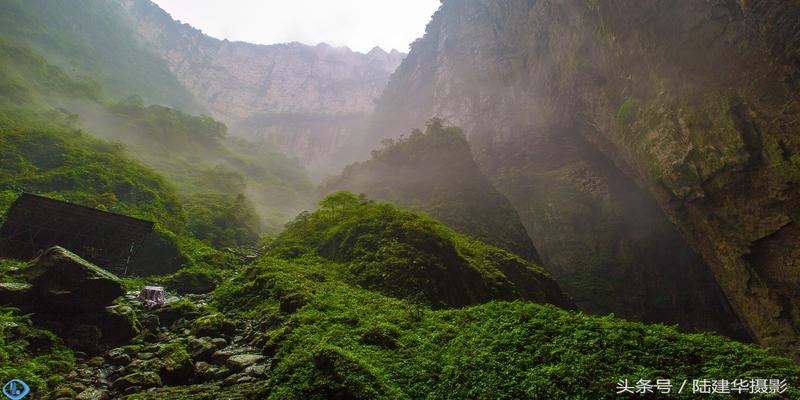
(606, 122)
(307, 100)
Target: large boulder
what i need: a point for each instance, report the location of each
(75, 299)
(62, 281)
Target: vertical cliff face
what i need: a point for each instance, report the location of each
(603, 122)
(305, 99)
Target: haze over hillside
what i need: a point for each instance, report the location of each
(310, 101)
(551, 200)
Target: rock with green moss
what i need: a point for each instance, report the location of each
(176, 364)
(14, 293)
(93, 394)
(119, 324)
(64, 392)
(142, 380)
(213, 325)
(240, 362)
(193, 280)
(181, 309)
(63, 282)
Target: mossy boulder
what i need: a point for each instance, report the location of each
(193, 280)
(213, 325)
(64, 392)
(142, 380)
(182, 309)
(13, 293)
(176, 364)
(118, 324)
(63, 282)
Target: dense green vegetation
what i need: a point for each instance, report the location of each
(45, 151)
(209, 170)
(94, 38)
(332, 339)
(41, 152)
(220, 179)
(35, 354)
(434, 172)
(411, 256)
(356, 300)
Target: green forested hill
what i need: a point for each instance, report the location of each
(434, 172)
(232, 190)
(94, 38)
(411, 256)
(330, 338)
(41, 151)
(223, 181)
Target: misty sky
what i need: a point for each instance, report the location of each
(358, 24)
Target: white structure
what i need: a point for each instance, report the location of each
(152, 296)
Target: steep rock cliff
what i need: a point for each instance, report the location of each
(265, 88)
(604, 121)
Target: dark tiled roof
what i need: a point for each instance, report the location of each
(34, 223)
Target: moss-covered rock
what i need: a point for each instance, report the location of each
(64, 392)
(119, 324)
(213, 325)
(181, 309)
(64, 282)
(142, 380)
(176, 364)
(193, 280)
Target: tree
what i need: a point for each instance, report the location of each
(336, 202)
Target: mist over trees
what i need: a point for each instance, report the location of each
(545, 200)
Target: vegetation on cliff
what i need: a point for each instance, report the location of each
(96, 39)
(364, 300)
(434, 172)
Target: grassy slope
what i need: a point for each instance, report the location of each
(229, 186)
